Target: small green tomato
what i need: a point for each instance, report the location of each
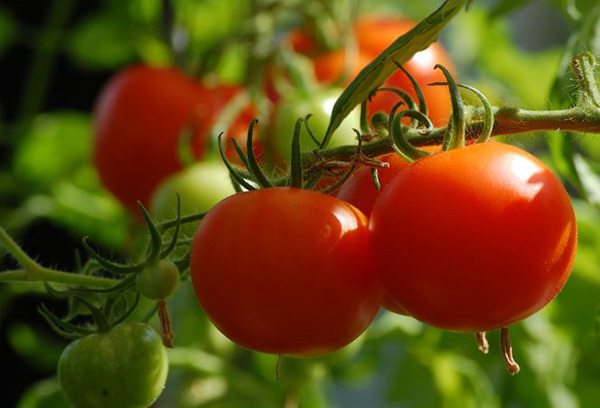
(125, 367)
(158, 280)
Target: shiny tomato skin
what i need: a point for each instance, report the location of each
(475, 238)
(138, 119)
(286, 271)
(374, 34)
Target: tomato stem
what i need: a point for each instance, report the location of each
(511, 364)
(482, 343)
(165, 324)
(34, 272)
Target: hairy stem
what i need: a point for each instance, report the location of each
(584, 119)
(34, 272)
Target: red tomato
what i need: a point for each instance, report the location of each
(360, 191)
(139, 116)
(374, 34)
(286, 271)
(475, 238)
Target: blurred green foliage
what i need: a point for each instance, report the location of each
(399, 362)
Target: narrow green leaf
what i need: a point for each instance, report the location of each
(401, 50)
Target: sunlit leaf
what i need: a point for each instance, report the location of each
(102, 41)
(57, 145)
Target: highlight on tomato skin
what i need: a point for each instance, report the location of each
(301, 280)
(138, 119)
(474, 239)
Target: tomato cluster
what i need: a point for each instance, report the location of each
(470, 240)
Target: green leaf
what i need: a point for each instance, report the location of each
(57, 144)
(561, 151)
(504, 7)
(402, 50)
(43, 394)
(590, 181)
(102, 41)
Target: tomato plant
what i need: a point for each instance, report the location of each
(374, 34)
(319, 104)
(300, 280)
(139, 117)
(475, 238)
(124, 367)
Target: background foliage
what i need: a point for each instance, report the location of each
(55, 59)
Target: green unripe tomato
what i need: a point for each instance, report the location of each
(320, 104)
(158, 280)
(200, 187)
(125, 367)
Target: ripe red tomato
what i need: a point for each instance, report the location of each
(360, 191)
(374, 34)
(475, 238)
(286, 271)
(139, 116)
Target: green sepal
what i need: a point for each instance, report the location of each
(458, 134)
(254, 167)
(232, 172)
(309, 130)
(98, 315)
(375, 177)
(422, 103)
(296, 180)
(399, 139)
(108, 265)
(61, 327)
(155, 237)
(173, 242)
(128, 313)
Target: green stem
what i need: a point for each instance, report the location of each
(34, 272)
(42, 274)
(584, 119)
(16, 251)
